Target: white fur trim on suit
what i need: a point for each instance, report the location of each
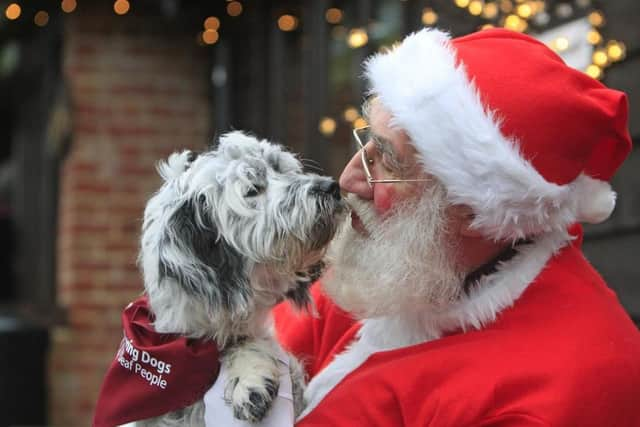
(460, 142)
(493, 294)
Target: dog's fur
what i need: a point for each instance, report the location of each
(231, 233)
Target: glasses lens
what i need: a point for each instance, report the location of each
(363, 137)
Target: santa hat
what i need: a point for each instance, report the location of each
(510, 130)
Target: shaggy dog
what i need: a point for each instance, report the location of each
(231, 233)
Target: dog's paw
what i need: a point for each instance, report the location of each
(254, 379)
(251, 399)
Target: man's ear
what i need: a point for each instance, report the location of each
(463, 217)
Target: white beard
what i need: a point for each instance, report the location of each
(404, 265)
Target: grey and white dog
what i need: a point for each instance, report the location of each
(231, 233)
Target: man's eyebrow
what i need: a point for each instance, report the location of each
(383, 145)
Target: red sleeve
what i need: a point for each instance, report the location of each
(312, 338)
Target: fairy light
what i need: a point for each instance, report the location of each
(68, 6)
(616, 50)
(41, 18)
(212, 23)
(210, 36)
(234, 8)
(514, 22)
(13, 11)
(596, 18)
(462, 3)
(506, 6)
(287, 23)
(333, 15)
(350, 114)
(594, 37)
(121, 7)
(327, 126)
(429, 16)
(560, 44)
(359, 123)
(524, 10)
(594, 71)
(600, 58)
(357, 38)
(490, 10)
(475, 7)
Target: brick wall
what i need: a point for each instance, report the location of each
(139, 91)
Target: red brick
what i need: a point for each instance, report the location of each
(84, 167)
(92, 188)
(110, 172)
(131, 130)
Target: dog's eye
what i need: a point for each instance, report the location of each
(254, 191)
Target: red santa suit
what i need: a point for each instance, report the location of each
(561, 352)
(528, 144)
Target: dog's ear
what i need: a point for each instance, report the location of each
(192, 252)
(177, 163)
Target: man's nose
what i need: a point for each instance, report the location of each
(354, 180)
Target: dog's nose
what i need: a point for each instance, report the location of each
(330, 187)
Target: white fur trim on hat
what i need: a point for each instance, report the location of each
(460, 143)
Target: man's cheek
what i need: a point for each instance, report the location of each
(383, 198)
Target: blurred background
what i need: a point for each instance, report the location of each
(94, 93)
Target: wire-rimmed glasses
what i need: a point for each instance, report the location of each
(360, 134)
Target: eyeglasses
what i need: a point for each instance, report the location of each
(363, 134)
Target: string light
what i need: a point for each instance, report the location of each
(121, 7)
(429, 16)
(333, 15)
(350, 114)
(68, 6)
(462, 3)
(616, 50)
(596, 18)
(490, 11)
(287, 23)
(594, 71)
(41, 18)
(210, 36)
(594, 37)
(560, 44)
(600, 58)
(475, 7)
(359, 123)
(212, 23)
(357, 38)
(234, 8)
(327, 126)
(13, 11)
(514, 22)
(506, 6)
(524, 10)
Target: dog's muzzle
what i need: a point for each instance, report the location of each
(329, 187)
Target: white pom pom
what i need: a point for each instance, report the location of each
(595, 199)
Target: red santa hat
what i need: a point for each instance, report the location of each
(509, 129)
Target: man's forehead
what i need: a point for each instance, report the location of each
(382, 129)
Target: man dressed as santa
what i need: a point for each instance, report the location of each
(459, 295)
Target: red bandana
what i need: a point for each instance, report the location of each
(152, 373)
